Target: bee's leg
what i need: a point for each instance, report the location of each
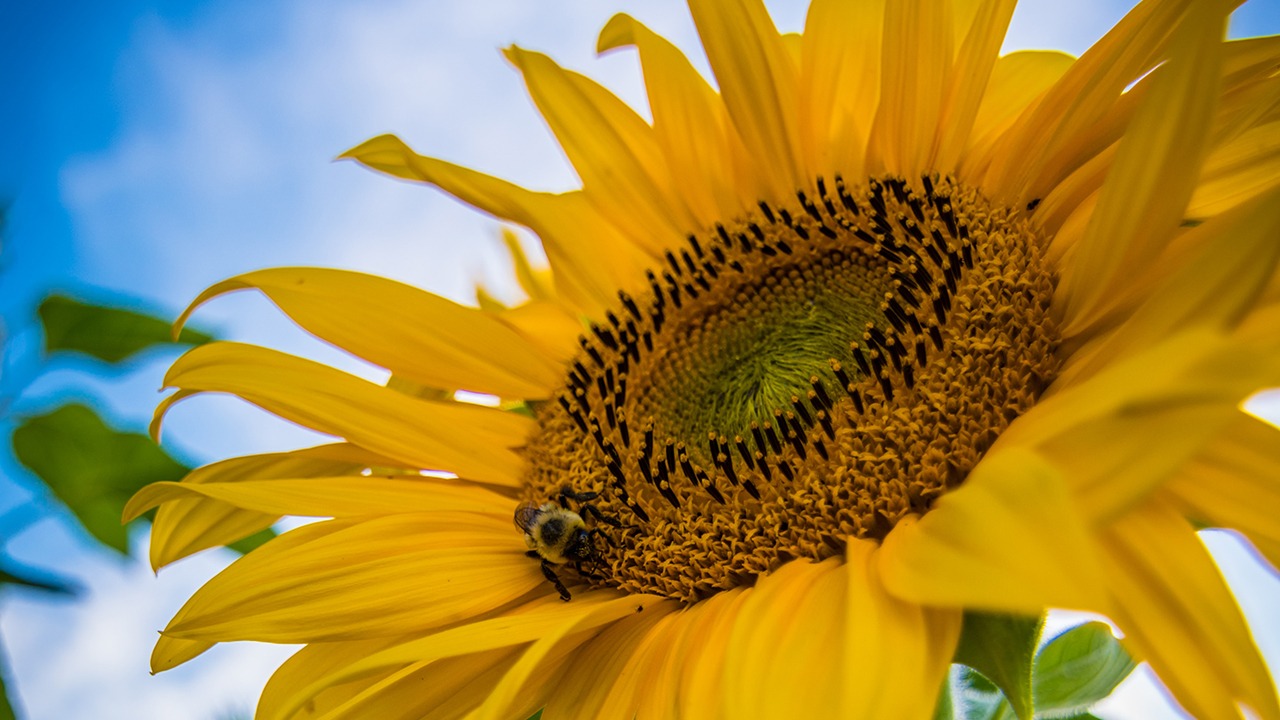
(594, 512)
(567, 494)
(550, 574)
(532, 553)
(589, 574)
(595, 532)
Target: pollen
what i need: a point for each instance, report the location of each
(815, 370)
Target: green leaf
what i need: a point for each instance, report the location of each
(13, 574)
(91, 467)
(1077, 669)
(107, 333)
(536, 716)
(1002, 648)
(977, 698)
(244, 545)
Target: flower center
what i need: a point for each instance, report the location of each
(817, 371)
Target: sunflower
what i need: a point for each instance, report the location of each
(882, 328)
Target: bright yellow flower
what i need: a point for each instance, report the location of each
(886, 328)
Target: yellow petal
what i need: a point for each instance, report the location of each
(592, 259)
(442, 690)
(309, 662)
(1232, 483)
(510, 629)
(918, 52)
(703, 681)
(612, 148)
(536, 282)
(649, 684)
(896, 652)
(1178, 614)
(548, 325)
(171, 652)
(187, 526)
(1017, 80)
(329, 496)
(967, 80)
(1243, 169)
(411, 332)
(1181, 389)
(1247, 92)
(467, 439)
(1022, 170)
(342, 580)
(840, 83)
(1154, 173)
(1234, 257)
(625, 611)
(1010, 539)
(758, 81)
(689, 122)
(784, 655)
(825, 639)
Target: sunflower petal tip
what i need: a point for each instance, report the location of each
(617, 33)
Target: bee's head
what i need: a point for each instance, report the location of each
(580, 546)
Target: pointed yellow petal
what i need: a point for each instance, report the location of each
(330, 496)
(840, 84)
(1182, 389)
(171, 652)
(758, 81)
(649, 684)
(442, 690)
(896, 652)
(1178, 613)
(592, 259)
(1245, 168)
(1232, 483)
(309, 662)
(968, 79)
(1022, 170)
(1118, 461)
(411, 332)
(1235, 256)
(339, 580)
(548, 325)
(1154, 173)
(784, 656)
(1009, 540)
(499, 704)
(582, 683)
(536, 282)
(512, 628)
(614, 151)
(918, 53)
(819, 640)
(689, 122)
(467, 439)
(185, 527)
(703, 681)
(1017, 81)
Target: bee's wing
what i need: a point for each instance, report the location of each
(526, 516)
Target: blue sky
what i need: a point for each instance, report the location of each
(152, 148)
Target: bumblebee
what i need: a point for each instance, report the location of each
(560, 536)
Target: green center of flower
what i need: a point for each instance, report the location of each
(753, 346)
(791, 379)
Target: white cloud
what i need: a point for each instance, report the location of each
(88, 657)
